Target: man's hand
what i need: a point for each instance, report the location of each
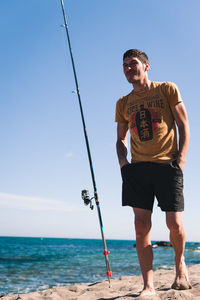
(181, 163)
(122, 147)
(123, 162)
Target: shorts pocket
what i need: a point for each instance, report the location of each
(124, 169)
(175, 165)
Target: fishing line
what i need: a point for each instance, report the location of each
(85, 194)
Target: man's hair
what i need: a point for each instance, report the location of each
(136, 53)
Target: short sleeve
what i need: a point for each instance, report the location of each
(120, 111)
(173, 94)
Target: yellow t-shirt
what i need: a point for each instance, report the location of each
(151, 122)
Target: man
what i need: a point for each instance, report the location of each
(150, 113)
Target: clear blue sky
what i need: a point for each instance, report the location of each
(43, 158)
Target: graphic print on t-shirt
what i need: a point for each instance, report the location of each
(145, 119)
(143, 122)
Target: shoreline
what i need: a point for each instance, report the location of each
(126, 287)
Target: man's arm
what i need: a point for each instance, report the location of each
(180, 116)
(122, 145)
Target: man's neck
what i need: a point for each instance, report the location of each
(141, 85)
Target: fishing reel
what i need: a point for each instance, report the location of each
(86, 198)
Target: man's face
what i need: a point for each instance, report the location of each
(134, 69)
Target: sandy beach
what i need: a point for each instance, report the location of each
(121, 288)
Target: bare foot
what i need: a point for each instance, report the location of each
(147, 292)
(181, 281)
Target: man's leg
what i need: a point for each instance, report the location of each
(177, 237)
(144, 249)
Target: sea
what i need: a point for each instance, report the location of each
(34, 264)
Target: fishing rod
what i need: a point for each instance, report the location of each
(85, 194)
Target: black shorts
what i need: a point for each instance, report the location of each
(144, 180)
